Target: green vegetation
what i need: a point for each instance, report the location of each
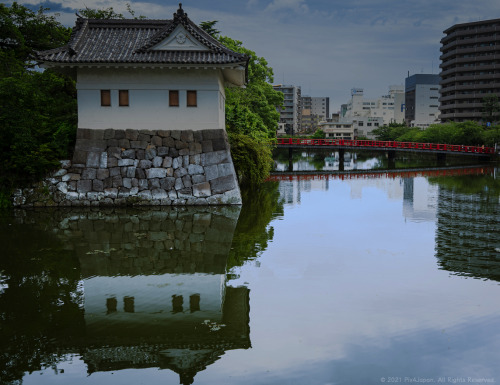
(38, 116)
(466, 133)
(484, 185)
(319, 134)
(491, 107)
(251, 115)
(261, 204)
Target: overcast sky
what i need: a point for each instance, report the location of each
(325, 46)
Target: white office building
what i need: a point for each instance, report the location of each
(379, 111)
(422, 100)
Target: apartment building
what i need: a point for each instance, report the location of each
(470, 69)
(292, 107)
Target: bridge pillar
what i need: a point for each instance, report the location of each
(441, 159)
(290, 159)
(341, 159)
(391, 159)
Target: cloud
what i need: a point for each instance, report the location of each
(297, 6)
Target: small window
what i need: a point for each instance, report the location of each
(123, 98)
(191, 99)
(105, 98)
(173, 98)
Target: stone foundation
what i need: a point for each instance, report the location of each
(140, 167)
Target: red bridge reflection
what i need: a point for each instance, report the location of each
(371, 174)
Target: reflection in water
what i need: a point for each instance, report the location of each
(468, 226)
(261, 205)
(346, 291)
(329, 160)
(465, 208)
(125, 289)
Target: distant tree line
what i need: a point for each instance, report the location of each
(466, 133)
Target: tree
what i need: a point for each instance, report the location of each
(107, 13)
(251, 113)
(23, 32)
(38, 109)
(491, 107)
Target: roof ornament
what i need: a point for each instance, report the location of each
(180, 14)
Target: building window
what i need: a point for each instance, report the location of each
(123, 98)
(173, 98)
(106, 98)
(360, 124)
(368, 124)
(191, 99)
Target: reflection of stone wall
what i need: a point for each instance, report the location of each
(141, 167)
(112, 242)
(468, 234)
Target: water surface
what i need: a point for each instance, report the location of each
(315, 281)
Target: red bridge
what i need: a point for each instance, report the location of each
(345, 144)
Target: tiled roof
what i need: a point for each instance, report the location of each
(130, 41)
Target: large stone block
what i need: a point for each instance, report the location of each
(125, 162)
(167, 183)
(159, 194)
(97, 185)
(202, 189)
(102, 173)
(89, 173)
(156, 173)
(211, 172)
(128, 154)
(84, 186)
(194, 169)
(223, 184)
(93, 159)
(131, 134)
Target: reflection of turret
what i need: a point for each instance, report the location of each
(468, 234)
(153, 286)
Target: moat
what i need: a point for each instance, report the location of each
(314, 280)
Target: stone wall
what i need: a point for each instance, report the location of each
(140, 167)
(112, 241)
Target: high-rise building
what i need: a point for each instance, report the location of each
(292, 109)
(470, 69)
(421, 100)
(314, 110)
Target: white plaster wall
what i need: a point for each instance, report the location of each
(148, 99)
(153, 294)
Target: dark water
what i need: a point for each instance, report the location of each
(355, 281)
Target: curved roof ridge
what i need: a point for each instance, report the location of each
(78, 32)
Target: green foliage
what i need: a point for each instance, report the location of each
(208, 27)
(470, 184)
(107, 13)
(319, 134)
(251, 113)
(252, 158)
(464, 133)
(491, 107)
(38, 109)
(261, 204)
(23, 32)
(391, 131)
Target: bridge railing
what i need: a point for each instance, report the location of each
(385, 144)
